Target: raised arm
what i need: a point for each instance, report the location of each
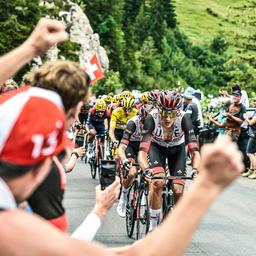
(45, 35)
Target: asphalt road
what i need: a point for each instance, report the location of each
(229, 229)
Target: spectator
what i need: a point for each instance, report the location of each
(244, 96)
(72, 84)
(235, 117)
(192, 110)
(219, 119)
(251, 146)
(26, 146)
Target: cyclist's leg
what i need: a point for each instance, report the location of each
(90, 140)
(119, 136)
(100, 130)
(157, 164)
(177, 167)
(91, 137)
(131, 152)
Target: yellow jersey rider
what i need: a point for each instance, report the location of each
(119, 119)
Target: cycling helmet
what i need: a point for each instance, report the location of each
(126, 94)
(108, 99)
(169, 100)
(100, 105)
(153, 95)
(144, 97)
(127, 103)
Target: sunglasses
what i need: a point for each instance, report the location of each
(171, 114)
(100, 111)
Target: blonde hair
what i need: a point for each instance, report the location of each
(66, 78)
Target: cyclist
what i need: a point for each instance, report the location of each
(128, 152)
(97, 122)
(153, 97)
(83, 115)
(143, 100)
(119, 119)
(166, 130)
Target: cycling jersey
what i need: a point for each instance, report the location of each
(133, 131)
(182, 131)
(95, 120)
(168, 144)
(119, 118)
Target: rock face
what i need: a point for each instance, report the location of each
(80, 30)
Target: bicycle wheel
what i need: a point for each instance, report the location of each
(130, 215)
(93, 168)
(142, 215)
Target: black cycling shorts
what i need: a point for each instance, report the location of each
(176, 157)
(251, 145)
(119, 134)
(132, 149)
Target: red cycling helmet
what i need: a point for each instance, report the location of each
(169, 100)
(153, 95)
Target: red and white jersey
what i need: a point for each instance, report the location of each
(167, 137)
(137, 134)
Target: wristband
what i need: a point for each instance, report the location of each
(75, 153)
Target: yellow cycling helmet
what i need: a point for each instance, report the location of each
(128, 102)
(126, 94)
(100, 105)
(108, 99)
(144, 97)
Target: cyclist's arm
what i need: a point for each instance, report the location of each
(130, 129)
(106, 124)
(149, 126)
(45, 35)
(191, 140)
(112, 127)
(89, 120)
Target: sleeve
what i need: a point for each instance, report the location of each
(190, 137)
(189, 110)
(130, 129)
(88, 229)
(149, 126)
(90, 114)
(242, 112)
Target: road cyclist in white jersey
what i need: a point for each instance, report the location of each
(166, 131)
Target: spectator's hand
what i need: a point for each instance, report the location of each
(80, 151)
(211, 118)
(245, 116)
(106, 198)
(46, 34)
(221, 163)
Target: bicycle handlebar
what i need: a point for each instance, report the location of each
(172, 177)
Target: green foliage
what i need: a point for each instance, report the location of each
(146, 43)
(111, 83)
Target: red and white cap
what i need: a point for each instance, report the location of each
(32, 126)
